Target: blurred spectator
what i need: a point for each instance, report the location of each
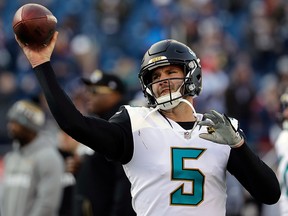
(261, 38)
(282, 72)
(215, 81)
(67, 148)
(102, 186)
(240, 94)
(33, 170)
(8, 95)
(263, 117)
(64, 59)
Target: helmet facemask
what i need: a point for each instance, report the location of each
(191, 86)
(167, 101)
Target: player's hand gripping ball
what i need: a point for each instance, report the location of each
(34, 25)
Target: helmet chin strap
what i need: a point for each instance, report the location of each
(171, 104)
(173, 100)
(169, 101)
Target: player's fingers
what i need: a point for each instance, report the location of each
(206, 122)
(55, 36)
(52, 43)
(211, 117)
(207, 136)
(217, 116)
(22, 45)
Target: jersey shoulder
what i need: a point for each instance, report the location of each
(139, 109)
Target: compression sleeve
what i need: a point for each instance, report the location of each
(105, 137)
(256, 177)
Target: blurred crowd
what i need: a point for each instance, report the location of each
(242, 45)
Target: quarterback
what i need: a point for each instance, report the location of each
(175, 158)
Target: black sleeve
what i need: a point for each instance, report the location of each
(107, 138)
(256, 177)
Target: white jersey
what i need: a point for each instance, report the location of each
(281, 147)
(172, 171)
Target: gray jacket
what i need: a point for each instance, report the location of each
(32, 180)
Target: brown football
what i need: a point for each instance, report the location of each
(34, 24)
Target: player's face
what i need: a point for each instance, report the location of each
(163, 86)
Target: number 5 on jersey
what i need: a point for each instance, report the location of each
(180, 173)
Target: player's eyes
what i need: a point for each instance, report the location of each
(155, 77)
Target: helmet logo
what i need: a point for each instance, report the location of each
(158, 58)
(191, 87)
(191, 65)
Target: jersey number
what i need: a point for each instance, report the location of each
(180, 173)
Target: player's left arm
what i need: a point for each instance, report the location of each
(257, 178)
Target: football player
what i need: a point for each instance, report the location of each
(176, 159)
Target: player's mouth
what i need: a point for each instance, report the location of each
(164, 91)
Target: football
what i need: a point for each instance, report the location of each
(34, 24)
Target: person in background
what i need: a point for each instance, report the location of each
(176, 159)
(281, 147)
(33, 170)
(102, 186)
(66, 147)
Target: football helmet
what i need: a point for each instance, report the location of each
(170, 52)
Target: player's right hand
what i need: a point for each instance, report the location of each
(38, 55)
